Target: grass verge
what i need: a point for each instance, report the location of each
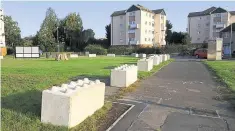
(225, 77)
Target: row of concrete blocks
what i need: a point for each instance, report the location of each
(125, 75)
(90, 55)
(72, 103)
(146, 64)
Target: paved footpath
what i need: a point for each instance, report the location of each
(180, 97)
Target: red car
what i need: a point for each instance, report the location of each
(201, 53)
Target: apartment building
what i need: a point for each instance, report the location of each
(138, 26)
(2, 32)
(207, 24)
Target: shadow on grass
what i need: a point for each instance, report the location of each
(24, 102)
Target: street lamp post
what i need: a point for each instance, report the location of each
(231, 37)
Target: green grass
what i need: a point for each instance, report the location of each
(225, 70)
(24, 79)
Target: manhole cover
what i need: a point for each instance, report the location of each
(204, 112)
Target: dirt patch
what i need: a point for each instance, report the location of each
(113, 114)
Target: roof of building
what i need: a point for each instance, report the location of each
(228, 28)
(232, 12)
(209, 11)
(137, 7)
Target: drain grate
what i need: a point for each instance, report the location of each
(204, 112)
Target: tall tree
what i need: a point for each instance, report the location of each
(108, 33)
(28, 40)
(168, 31)
(46, 35)
(88, 34)
(12, 31)
(71, 31)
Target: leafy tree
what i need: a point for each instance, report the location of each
(28, 41)
(88, 34)
(12, 31)
(71, 31)
(168, 31)
(186, 39)
(46, 36)
(108, 33)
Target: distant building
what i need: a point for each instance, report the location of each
(138, 25)
(207, 24)
(2, 32)
(226, 35)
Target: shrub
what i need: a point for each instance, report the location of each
(121, 50)
(10, 50)
(148, 50)
(96, 49)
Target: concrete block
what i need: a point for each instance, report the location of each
(86, 53)
(111, 55)
(145, 64)
(160, 58)
(72, 103)
(164, 57)
(91, 55)
(1, 57)
(135, 55)
(123, 76)
(142, 55)
(156, 59)
(73, 55)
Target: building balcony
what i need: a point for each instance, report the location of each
(133, 26)
(219, 25)
(134, 42)
(163, 28)
(131, 31)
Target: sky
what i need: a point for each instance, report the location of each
(96, 15)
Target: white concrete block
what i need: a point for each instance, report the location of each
(73, 55)
(123, 76)
(142, 55)
(91, 55)
(156, 59)
(135, 55)
(145, 64)
(111, 55)
(1, 57)
(165, 57)
(72, 103)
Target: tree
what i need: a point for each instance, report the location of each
(108, 33)
(71, 31)
(186, 39)
(168, 31)
(46, 36)
(88, 34)
(28, 41)
(12, 32)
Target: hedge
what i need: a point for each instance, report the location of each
(96, 49)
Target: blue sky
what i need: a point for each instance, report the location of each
(96, 15)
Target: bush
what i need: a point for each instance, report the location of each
(10, 50)
(96, 49)
(121, 50)
(148, 50)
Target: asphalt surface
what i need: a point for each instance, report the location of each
(180, 97)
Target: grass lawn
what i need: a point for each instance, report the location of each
(225, 70)
(23, 81)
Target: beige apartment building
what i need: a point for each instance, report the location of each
(2, 32)
(138, 26)
(206, 25)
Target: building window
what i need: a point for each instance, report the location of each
(149, 31)
(153, 16)
(130, 14)
(198, 32)
(149, 23)
(121, 25)
(152, 24)
(146, 14)
(149, 39)
(226, 35)
(145, 39)
(153, 32)
(152, 39)
(162, 17)
(145, 31)
(200, 18)
(146, 22)
(150, 15)
(121, 17)
(199, 25)
(207, 24)
(217, 15)
(133, 13)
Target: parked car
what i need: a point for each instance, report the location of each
(201, 53)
